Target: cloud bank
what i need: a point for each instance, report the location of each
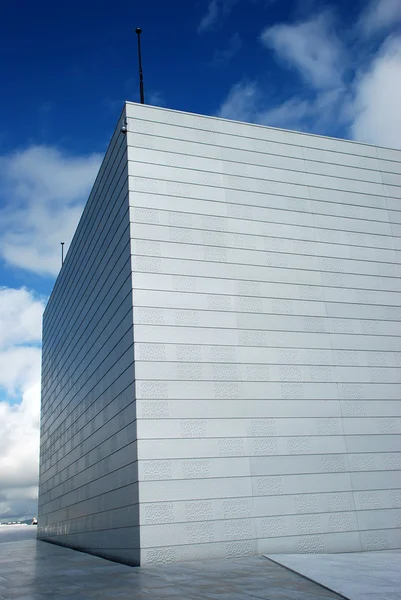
(43, 194)
(377, 100)
(311, 47)
(380, 15)
(20, 334)
(354, 88)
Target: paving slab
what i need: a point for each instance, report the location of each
(35, 570)
(356, 575)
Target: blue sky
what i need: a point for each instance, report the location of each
(332, 68)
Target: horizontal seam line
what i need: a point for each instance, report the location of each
(285, 156)
(267, 181)
(364, 232)
(238, 313)
(268, 347)
(275, 129)
(264, 250)
(266, 282)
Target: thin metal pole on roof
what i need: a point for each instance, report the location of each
(62, 253)
(138, 31)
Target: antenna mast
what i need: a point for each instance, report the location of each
(138, 31)
(62, 253)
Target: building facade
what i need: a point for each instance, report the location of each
(222, 347)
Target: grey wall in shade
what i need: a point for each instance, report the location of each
(259, 279)
(88, 492)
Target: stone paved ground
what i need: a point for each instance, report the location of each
(358, 576)
(31, 570)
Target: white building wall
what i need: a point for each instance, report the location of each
(267, 328)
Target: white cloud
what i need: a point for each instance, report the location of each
(291, 114)
(380, 15)
(312, 47)
(246, 102)
(19, 367)
(20, 327)
(43, 191)
(156, 99)
(216, 11)
(377, 115)
(361, 103)
(20, 317)
(211, 16)
(241, 102)
(223, 56)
